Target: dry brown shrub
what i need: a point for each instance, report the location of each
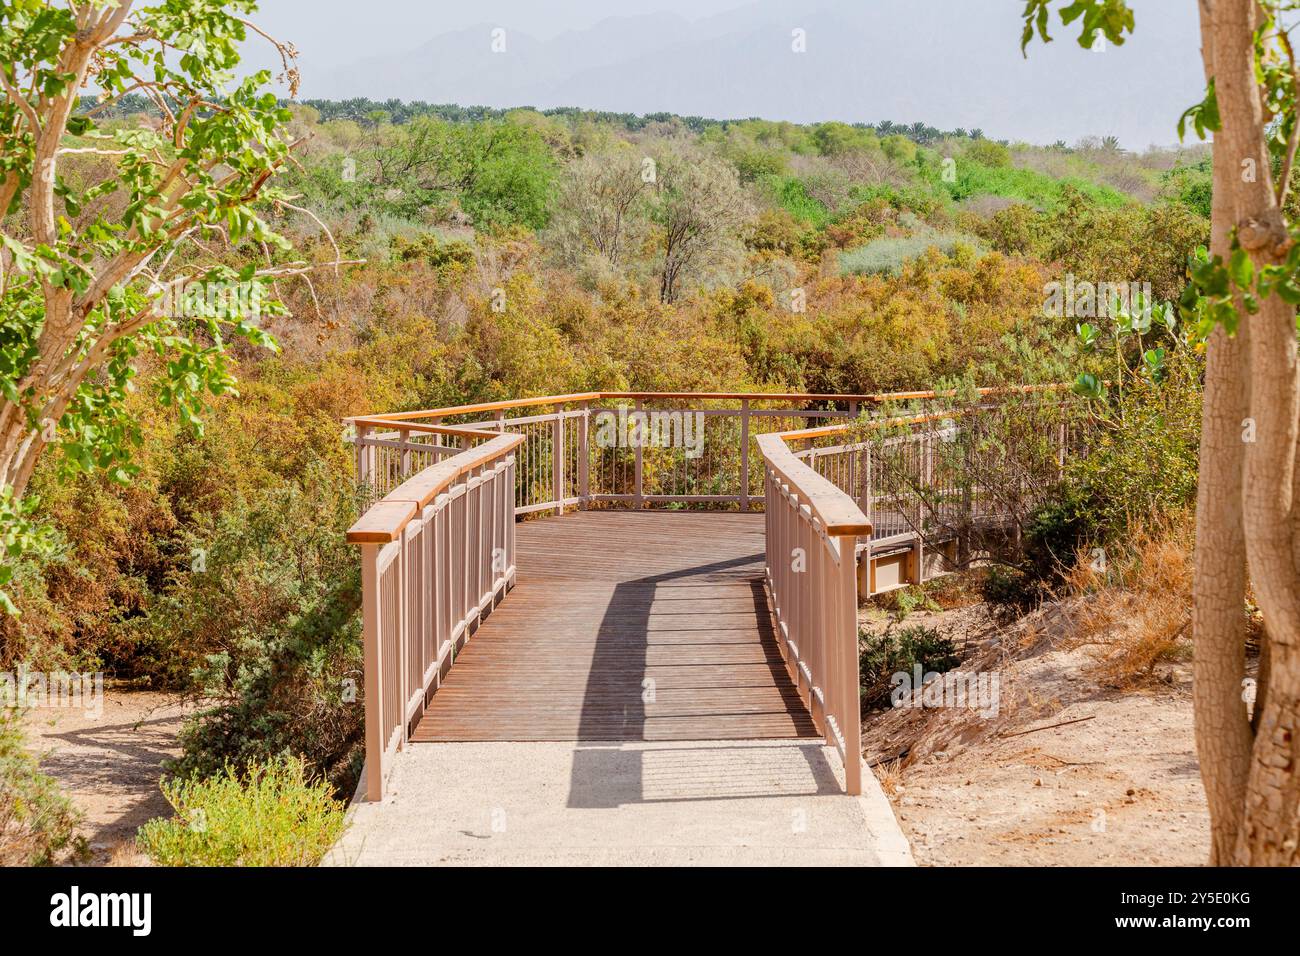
(1136, 612)
(890, 775)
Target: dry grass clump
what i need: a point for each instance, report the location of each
(1137, 607)
(890, 775)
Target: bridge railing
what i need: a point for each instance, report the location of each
(446, 485)
(812, 529)
(615, 449)
(935, 486)
(437, 555)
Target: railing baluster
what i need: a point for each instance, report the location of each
(744, 454)
(584, 458)
(372, 623)
(557, 459)
(638, 493)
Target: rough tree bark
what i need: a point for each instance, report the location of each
(1261, 801)
(1223, 735)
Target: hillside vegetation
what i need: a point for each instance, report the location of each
(495, 254)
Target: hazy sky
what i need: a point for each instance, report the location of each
(945, 62)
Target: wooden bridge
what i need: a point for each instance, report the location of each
(651, 566)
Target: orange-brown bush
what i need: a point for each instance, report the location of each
(1136, 607)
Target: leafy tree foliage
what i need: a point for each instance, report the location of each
(105, 222)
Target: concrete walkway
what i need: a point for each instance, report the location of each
(672, 803)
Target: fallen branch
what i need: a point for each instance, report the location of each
(1034, 730)
(1072, 763)
(877, 763)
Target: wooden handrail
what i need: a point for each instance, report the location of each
(811, 531)
(437, 556)
(876, 423)
(746, 396)
(838, 513)
(877, 398)
(386, 519)
(460, 431)
(389, 417)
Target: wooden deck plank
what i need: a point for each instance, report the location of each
(626, 626)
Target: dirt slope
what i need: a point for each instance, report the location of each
(1120, 784)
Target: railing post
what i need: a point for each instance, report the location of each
(557, 460)
(440, 579)
(584, 459)
(404, 436)
(964, 538)
(638, 491)
(744, 454)
(404, 580)
(512, 464)
(364, 458)
(371, 639)
(849, 693)
(473, 541)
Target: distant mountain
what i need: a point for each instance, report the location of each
(865, 62)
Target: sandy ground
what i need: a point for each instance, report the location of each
(1119, 786)
(110, 765)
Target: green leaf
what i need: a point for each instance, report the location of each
(1089, 386)
(1242, 269)
(1204, 115)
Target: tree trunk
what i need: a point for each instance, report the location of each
(1245, 200)
(1223, 737)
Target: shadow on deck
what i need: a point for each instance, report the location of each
(626, 626)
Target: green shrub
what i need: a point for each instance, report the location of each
(1139, 471)
(903, 601)
(989, 153)
(1191, 185)
(1142, 464)
(899, 148)
(791, 194)
(882, 656)
(1025, 185)
(888, 256)
(754, 162)
(1011, 591)
(274, 814)
(271, 631)
(37, 823)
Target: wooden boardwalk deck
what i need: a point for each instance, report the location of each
(626, 626)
